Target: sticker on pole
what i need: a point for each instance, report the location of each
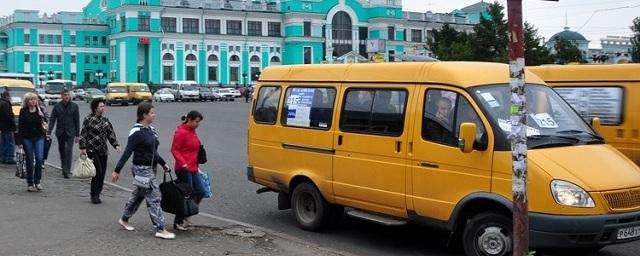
(544, 120)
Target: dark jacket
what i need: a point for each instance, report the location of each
(67, 116)
(143, 143)
(7, 118)
(96, 131)
(29, 125)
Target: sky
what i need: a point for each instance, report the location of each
(594, 19)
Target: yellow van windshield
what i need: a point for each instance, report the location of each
(118, 89)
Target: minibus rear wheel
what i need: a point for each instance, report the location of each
(488, 234)
(312, 212)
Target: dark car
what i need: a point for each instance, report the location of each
(206, 94)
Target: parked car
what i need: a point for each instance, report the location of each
(78, 94)
(235, 92)
(163, 95)
(93, 93)
(225, 94)
(206, 94)
(185, 90)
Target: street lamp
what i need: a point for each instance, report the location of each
(99, 75)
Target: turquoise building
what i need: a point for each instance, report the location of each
(212, 42)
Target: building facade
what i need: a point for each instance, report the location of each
(212, 42)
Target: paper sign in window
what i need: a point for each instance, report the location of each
(299, 106)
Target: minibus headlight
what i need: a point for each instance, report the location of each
(569, 194)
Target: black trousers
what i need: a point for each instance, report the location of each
(97, 182)
(65, 148)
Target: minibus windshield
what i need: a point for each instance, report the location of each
(54, 87)
(17, 93)
(117, 89)
(551, 122)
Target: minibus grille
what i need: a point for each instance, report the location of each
(623, 200)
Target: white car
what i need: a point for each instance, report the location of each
(236, 93)
(163, 95)
(225, 94)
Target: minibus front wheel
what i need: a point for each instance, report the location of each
(310, 209)
(488, 234)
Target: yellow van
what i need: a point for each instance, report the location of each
(17, 88)
(427, 142)
(117, 93)
(138, 92)
(609, 92)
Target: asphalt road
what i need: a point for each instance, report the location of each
(224, 133)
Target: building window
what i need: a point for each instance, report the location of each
(96, 59)
(233, 74)
(342, 34)
(73, 77)
(213, 73)
(416, 35)
(103, 40)
(41, 58)
(307, 28)
(123, 23)
(234, 27)
(191, 73)
(27, 57)
(87, 40)
(266, 108)
(27, 38)
(72, 59)
(307, 55)
(95, 40)
(104, 59)
(168, 24)
(87, 59)
(319, 101)
(190, 26)
(254, 73)
(374, 111)
(255, 28)
(50, 39)
(58, 39)
(58, 58)
(167, 72)
(391, 33)
(41, 39)
(72, 39)
(212, 27)
(274, 29)
(392, 56)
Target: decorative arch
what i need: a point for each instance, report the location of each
(167, 57)
(213, 58)
(275, 59)
(191, 57)
(234, 58)
(254, 59)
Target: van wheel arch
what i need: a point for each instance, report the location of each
(473, 205)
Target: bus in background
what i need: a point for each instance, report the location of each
(17, 88)
(18, 76)
(53, 88)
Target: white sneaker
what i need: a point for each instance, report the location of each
(126, 225)
(165, 235)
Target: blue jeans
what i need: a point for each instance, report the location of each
(33, 148)
(194, 180)
(8, 146)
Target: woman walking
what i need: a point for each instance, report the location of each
(96, 131)
(143, 143)
(31, 134)
(185, 149)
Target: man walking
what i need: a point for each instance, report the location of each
(7, 129)
(67, 115)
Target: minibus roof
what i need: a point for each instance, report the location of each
(588, 72)
(462, 74)
(15, 83)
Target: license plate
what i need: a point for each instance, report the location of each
(627, 233)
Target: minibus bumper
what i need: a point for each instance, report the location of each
(556, 231)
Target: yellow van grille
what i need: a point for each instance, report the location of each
(623, 199)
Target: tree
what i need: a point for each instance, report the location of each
(635, 40)
(535, 53)
(566, 51)
(490, 39)
(449, 44)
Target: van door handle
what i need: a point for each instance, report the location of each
(339, 140)
(428, 165)
(398, 146)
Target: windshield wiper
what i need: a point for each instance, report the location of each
(595, 136)
(552, 141)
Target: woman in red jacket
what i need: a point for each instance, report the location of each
(185, 149)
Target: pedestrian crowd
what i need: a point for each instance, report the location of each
(32, 137)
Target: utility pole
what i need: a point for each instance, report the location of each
(518, 134)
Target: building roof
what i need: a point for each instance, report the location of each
(462, 74)
(568, 35)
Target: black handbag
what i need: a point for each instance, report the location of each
(177, 197)
(202, 155)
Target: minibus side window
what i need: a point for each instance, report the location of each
(309, 107)
(444, 111)
(374, 111)
(266, 109)
(604, 102)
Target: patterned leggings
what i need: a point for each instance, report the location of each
(151, 195)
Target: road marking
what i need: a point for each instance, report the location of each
(240, 223)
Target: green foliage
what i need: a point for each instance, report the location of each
(450, 44)
(567, 52)
(635, 40)
(490, 40)
(535, 53)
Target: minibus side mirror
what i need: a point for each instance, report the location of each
(467, 137)
(596, 123)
